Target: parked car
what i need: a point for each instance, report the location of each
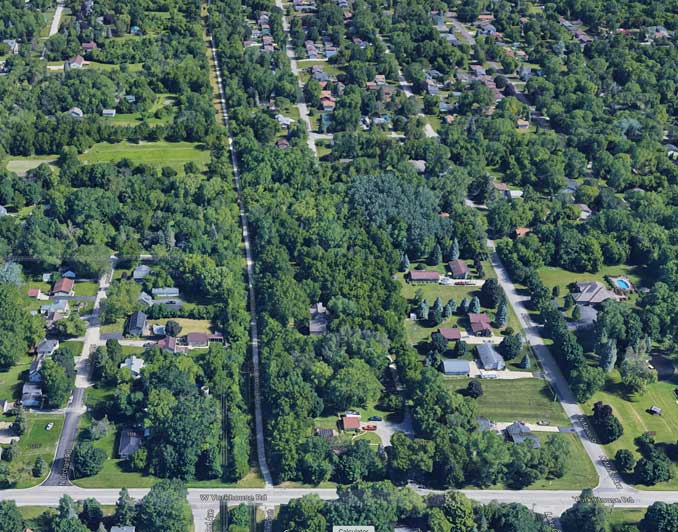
(370, 427)
(375, 418)
(542, 422)
(49, 426)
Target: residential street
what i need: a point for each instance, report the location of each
(608, 477)
(59, 472)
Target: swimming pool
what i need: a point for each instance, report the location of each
(622, 283)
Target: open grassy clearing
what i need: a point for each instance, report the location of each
(33, 515)
(527, 400)
(172, 154)
(21, 165)
(116, 327)
(37, 441)
(85, 288)
(625, 516)
(162, 101)
(11, 381)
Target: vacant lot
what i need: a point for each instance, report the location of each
(187, 325)
(527, 400)
(173, 154)
(10, 380)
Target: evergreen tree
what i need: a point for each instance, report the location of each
(125, 509)
(608, 355)
(525, 362)
(460, 349)
(453, 253)
(422, 311)
(436, 256)
(576, 313)
(502, 314)
(438, 304)
(404, 263)
(568, 302)
(463, 308)
(475, 305)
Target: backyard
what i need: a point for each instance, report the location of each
(172, 154)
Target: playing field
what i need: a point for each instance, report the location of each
(527, 400)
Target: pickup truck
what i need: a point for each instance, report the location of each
(370, 427)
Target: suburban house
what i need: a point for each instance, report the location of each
(63, 287)
(326, 434)
(592, 293)
(123, 529)
(75, 62)
(34, 369)
(145, 299)
(423, 276)
(197, 339)
(480, 324)
(456, 367)
(108, 113)
(317, 325)
(585, 211)
(36, 293)
(136, 324)
(134, 364)
(47, 347)
(458, 269)
(130, 441)
(89, 46)
(68, 274)
(489, 357)
(140, 272)
(60, 306)
(350, 421)
(519, 432)
(170, 344)
(165, 292)
(13, 46)
(450, 334)
(31, 395)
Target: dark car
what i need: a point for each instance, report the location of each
(375, 418)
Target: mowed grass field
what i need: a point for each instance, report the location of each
(527, 400)
(172, 154)
(10, 380)
(631, 411)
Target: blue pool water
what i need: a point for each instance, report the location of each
(623, 284)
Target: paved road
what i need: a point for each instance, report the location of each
(608, 477)
(58, 475)
(301, 104)
(461, 29)
(258, 416)
(56, 21)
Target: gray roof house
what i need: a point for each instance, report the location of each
(47, 347)
(145, 299)
(592, 293)
(136, 324)
(519, 433)
(140, 272)
(489, 357)
(134, 364)
(165, 292)
(317, 325)
(31, 395)
(130, 441)
(34, 369)
(123, 529)
(456, 367)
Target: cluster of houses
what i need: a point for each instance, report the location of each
(31, 393)
(489, 358)
(261, 34)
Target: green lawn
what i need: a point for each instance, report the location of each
(73, 346)
(21, 165)
(116, 327)
(37, 441)
(187, 325)
(625, 516)
(11, 382)
(33, 515)
(579, 473)
(133, 119)
(527, 400)
(86, 288)
(631, 411)
(173, 154)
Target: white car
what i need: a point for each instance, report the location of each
(49, 426)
